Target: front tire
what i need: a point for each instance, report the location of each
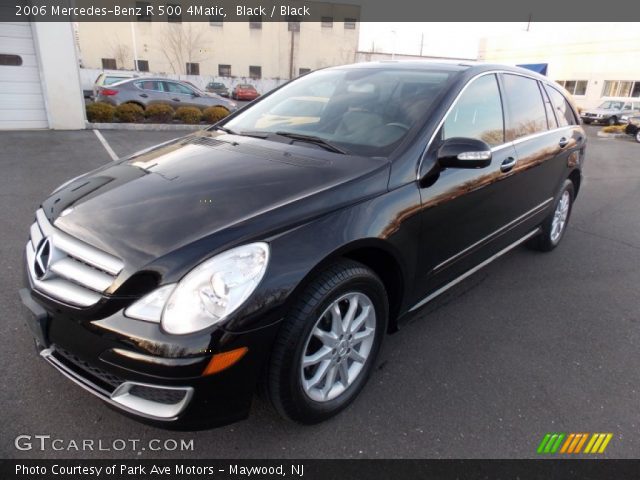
(328, 343)
(555, 225)
(613, 121)
(638, 136)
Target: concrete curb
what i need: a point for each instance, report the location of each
(144, 126)
(611, 135)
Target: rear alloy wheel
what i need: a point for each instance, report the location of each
(555, 225)
(328, 343)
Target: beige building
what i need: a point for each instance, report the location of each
(218, 49)
(594, 62)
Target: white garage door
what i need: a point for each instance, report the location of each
(21, 101)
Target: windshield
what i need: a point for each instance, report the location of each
(611, 106)
(363, 111)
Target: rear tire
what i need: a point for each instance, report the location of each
(555, 225)
(328, 343)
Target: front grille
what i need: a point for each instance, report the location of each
(108, 380)
(75, 272)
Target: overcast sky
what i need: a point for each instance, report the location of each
(457, 39)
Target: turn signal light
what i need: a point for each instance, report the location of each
(222, 361)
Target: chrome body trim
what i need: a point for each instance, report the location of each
(468, 273)
(524, 216)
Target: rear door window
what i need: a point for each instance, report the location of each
(152, 85)
(563, 110)
(526, 109)
(477, 113)
(172, 87)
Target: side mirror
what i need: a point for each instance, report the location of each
(461, 152)
(195, 94)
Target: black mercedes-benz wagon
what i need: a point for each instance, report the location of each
(278, 247)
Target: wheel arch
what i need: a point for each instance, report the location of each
(377, 255)
(576, 177)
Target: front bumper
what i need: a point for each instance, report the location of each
(145, 378)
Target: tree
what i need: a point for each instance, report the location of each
(183, 43)
(121, 53)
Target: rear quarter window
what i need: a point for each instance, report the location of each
(564, 112)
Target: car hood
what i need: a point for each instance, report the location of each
(206, 192)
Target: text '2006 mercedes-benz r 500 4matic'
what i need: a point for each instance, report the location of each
(278, 247)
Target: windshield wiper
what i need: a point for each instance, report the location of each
(315, 140)
(227, 130)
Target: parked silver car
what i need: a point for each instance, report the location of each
(610, 112)
(147, 91)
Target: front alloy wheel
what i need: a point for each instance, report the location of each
(338, 346)
(328, 343)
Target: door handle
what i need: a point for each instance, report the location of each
(507, 164)
(144, 95)
(563, 142)
(175, 99)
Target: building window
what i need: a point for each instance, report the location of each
(302, 71)
(109, 64)
(575, 87)
(142, 65)
(255, 72)
(349, 23)
(621, 88)
(224, 70)
(11, 60)
(216, 20)
(174, 13)
(144, 15)
(327, 22)
(255, 22)
(193, 68)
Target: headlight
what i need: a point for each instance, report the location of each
(208, 294)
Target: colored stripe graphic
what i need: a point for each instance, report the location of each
(550, 443)
(598, 443)
(572, 443)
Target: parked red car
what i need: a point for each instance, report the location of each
(244, 91)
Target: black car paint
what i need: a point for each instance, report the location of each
(192, 198)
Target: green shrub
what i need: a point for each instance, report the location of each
(189, 114)
(100, 112)
(614, 129)
(129, 112)
(159, 113)
(214, 114)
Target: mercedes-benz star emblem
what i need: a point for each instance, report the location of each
(43, 257)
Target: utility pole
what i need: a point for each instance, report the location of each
(135, 47)
(421, 43)
(291, 55)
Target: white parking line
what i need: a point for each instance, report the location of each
(106, 145)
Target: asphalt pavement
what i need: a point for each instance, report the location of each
(533, 343)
